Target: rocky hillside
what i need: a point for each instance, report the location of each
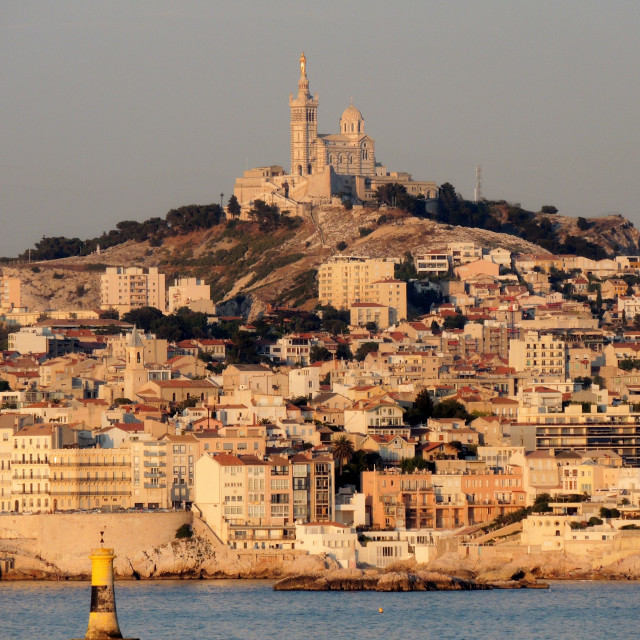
(278, 263)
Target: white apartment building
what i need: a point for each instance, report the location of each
(184, 291)
(432, 263)
(541, 354)
(126, 288)
(463, 252)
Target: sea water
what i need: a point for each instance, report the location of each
(243, 610)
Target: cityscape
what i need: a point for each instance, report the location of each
(336, 376)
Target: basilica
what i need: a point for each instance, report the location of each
(323, 166)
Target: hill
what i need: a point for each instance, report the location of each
(273, 257)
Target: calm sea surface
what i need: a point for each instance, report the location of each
(230, 610)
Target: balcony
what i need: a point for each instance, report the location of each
(90, 464)
(155, 474)
(154, 454)
(152, 463)
(149, 485)
(30, 478)
(85, 493)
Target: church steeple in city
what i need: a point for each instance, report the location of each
(304, 126)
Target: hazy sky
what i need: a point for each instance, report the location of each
(124, 110)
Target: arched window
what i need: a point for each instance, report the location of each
(352, 129)
(138, 357)
(557, 532)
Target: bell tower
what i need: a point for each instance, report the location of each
(135, 374)
(304, 126)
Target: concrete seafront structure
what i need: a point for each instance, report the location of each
(103, 619)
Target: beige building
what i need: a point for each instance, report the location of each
(543, 355)
(149, 474)
(432, 263)
(32, 446)
(184, 291)
(90, 479)
(126, 288)
(10, 294)
(344, 280)
(254, 503)
(347, 280)
(362, 313)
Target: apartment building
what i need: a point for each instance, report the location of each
(10, 293)
(32, 446)
(617, 430)
(182, 453)
(41, 340)
(442, 501)
(432, 263)
(149, 474)
(126, 288)
(540, 354)
(184, 291)
(362, 313)
(343, 280)
(463, 252)
(252, 502)
(89, 479)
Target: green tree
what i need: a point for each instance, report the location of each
(421, 410)
(109, 314)
(318, 353)
(365, 349)
(143, 318)
(455, 322)
(233, 207)
(450, 409)
(343, 352)
(341, 246)
(342, 450)
(409, 465)
(548, 209)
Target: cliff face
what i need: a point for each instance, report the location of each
(277, 265)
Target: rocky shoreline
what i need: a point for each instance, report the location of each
(202, 558)
(373, 580)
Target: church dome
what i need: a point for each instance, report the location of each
(351, 120)
(351, 113)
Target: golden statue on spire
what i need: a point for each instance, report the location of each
(303, 64)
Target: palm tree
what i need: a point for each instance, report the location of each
(342, 450)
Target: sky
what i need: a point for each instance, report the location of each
(124, 110)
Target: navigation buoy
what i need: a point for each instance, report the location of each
(380, 610)
(103, 620)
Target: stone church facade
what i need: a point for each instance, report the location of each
(323, 165)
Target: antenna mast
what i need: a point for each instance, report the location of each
(477, 192)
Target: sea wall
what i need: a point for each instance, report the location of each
(61, 542)
(52, 546)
